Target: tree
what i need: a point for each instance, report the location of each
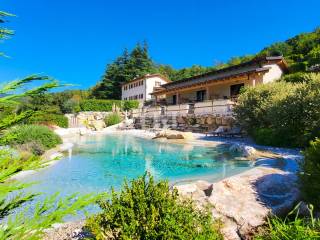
(125, 68)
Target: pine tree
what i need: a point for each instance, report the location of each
(125, 68)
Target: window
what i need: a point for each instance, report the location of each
(158, 84)
(141, 82)
(235, 89)
(141, 96)
(201, 95)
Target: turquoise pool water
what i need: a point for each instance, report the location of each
(98, 163)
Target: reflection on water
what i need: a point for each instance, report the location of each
(98, 162)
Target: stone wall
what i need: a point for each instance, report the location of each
(90, 120)
(189, 122)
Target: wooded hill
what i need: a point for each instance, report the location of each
(301, 52)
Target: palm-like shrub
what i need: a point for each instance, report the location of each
(148, 210)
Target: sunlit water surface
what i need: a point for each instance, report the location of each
(98, 163)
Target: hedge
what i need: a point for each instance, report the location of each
(101, 105)
(48, 119)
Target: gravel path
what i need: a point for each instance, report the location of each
(67, 231)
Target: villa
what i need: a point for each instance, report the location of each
(140, 88)
(214, 92)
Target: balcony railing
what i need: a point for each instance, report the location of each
(221, 107)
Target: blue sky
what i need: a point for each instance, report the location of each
(73, 40)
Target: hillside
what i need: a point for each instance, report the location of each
(301, 52)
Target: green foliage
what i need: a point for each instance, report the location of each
(4, 32)
(47, 212)
(112, 119)
(99, 105)
(291, 228)
(23, 134)
(149, 210)
(281, 113)
(22, 225)
(70, 106)
(102, 105)
(130, 104)
(125, 68)
(310, 177)
(301, 51)
(44, 118)
(296, 77)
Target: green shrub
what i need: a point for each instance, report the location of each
(298, 67)
(148, 210)
(48, 119)
(310, 178)
(25, 134)
(130, 104)
(291, 228)
(70, 106)
(98, 105)
(295, 77)
(112, 119)
(282, 113)
(101, 105)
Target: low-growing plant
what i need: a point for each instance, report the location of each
(23, 134)
(310, 176)
(45, 118)
(292, 227)
(112, 119)
(145, 209)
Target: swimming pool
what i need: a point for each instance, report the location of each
(99, 162)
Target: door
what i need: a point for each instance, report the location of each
(174, 99)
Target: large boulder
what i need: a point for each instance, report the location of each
(97, 125)
(244, 150)
(243, 202)
(170, 134)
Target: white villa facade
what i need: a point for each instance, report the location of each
(141, 88)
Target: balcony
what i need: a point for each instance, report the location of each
(221, 107)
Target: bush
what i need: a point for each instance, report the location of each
(25, 134)
(112, 119)
(295, 77)
(48, 119)
(310, 178)
(283, 113)
(101, 105)
(70, 106)
(148, 210)
(291, 228)
(130, 104)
